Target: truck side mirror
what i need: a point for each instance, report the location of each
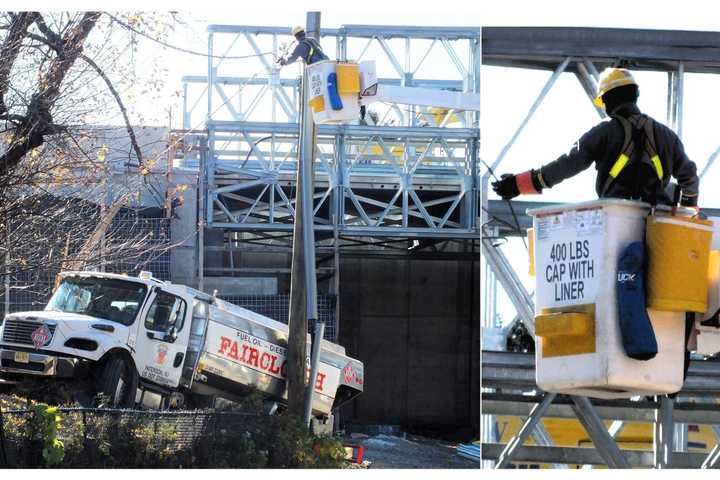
(171, 334)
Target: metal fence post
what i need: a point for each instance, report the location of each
(663, 434)
(3, 453)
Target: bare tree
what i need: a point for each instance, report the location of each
(68, 183)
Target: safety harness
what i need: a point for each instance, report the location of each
(649, 155)
(314, 45)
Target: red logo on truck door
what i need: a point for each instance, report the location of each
(263, 359)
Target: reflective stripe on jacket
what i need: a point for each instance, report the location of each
(309, 50)
(603, 144)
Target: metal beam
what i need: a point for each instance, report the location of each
(617, 410)
(500, 210)
(527, 428)
(600, 437)
(533, 108)
(517, 370)
(544, 47)
(352, 130)
(361, 31)
(511, 283)
(585, 456)
(663, 433)
(456, 85)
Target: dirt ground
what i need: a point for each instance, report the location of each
(388, 451)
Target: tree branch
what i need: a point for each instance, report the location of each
(111, 87)
(31, 134)
(10, 50)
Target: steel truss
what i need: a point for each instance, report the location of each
(511, 376)
(415, 179)
(583, 52)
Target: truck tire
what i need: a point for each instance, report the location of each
(118, 383)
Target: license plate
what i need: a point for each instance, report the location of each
(22, 357)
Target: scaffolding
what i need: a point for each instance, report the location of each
(410, 176)
(508, 378)
(408, 181)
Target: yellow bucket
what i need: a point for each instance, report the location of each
(678, 259)
(348, 78)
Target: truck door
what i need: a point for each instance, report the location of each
(162, 339)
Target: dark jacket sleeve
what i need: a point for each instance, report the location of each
(301, 51)
(684, 170)
(584, 152)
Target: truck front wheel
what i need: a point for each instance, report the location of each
(118, 382)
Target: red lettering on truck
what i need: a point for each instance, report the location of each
(319, 381)
(253, 359)
(224, 344)
(265, 361)
(233, 351)
(274, 369)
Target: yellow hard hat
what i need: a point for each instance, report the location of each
(296, 30)
(612, 78)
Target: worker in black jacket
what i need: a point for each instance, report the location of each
(634, 155)
(307, 48)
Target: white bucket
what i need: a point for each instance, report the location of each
(577, 248)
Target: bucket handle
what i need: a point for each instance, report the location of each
(674, 209)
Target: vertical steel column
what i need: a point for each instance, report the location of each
(211, 76)
(679, 90)
(6, 260)
(680, 437)
(186, 114)
(475, 63)
(670, 110)
(528, 427)
(604, 443)
(210, 158)
(663, 433)
(675, 99)
(472, 185)
(307, 149)
(341, 45)
(201, 212)
(342, 180)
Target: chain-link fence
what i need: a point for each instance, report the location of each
(277, 307)
(93, 437)
(31, 290)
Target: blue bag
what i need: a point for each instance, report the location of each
(335, 101)
(637, 332)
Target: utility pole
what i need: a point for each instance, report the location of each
(303, 282)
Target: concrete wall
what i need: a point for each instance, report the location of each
(415, 324)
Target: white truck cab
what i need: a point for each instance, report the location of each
(130, 335)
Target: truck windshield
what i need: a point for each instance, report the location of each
(111, 299)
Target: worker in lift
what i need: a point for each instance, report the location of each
(634, 155)
(307, 48)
